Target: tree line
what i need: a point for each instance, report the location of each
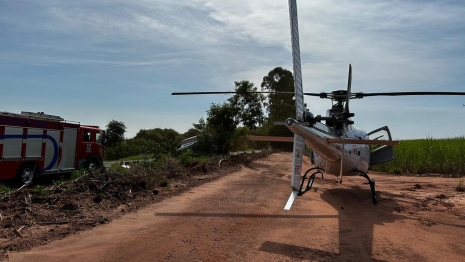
(225, 127)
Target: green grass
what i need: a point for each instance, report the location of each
(189, 158)
(4, 189)
(41, 190)
(420, 156)
(77, 174)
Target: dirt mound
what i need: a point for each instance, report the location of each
(43, 212)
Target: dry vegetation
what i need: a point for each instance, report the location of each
(52, 209)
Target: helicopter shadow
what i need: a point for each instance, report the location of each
(357, 217)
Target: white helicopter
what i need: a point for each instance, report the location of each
(337, 146)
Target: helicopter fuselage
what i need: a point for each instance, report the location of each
(328, 156)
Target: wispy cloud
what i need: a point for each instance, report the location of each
(155, 46)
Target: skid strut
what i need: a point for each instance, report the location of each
(371, 182)
(310, 180)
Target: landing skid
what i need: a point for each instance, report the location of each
(318, 170)
(311, 179)
(371, 182)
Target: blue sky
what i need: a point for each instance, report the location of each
(93, 61)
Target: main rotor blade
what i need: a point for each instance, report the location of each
(349, 87)
(322, 95)
(299, 142)
(298, 89)
(361, 95)
(230, 92)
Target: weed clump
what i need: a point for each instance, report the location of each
(460, 187)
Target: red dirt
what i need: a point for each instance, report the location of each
(240, 217)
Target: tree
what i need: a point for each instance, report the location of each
(204, 143)
(248, 106)
(239, 140)
(115, 133)
(215, 133)
(166, 140)
(190, 133)
(279, 106)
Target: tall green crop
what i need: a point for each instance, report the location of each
(442, 156)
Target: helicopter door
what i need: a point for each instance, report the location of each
(381, 153)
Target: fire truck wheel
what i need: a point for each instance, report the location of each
(25, 173)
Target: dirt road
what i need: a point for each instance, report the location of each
(240, 218)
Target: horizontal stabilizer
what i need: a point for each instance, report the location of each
(363, 142)
(291, 200)
(272, 138)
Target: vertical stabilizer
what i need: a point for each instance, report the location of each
(299, 143)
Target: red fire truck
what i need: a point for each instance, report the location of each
(33, 144)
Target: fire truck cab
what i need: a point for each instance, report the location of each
(33, 144)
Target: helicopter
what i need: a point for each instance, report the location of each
(337, 147)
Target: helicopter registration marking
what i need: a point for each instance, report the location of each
(298, 153)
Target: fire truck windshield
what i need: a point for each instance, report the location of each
(99, 138)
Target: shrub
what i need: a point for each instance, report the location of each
(460, 187)
(189, 158)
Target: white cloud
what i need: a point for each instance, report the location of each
(155, 47)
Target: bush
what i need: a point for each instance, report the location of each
(189, 158)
